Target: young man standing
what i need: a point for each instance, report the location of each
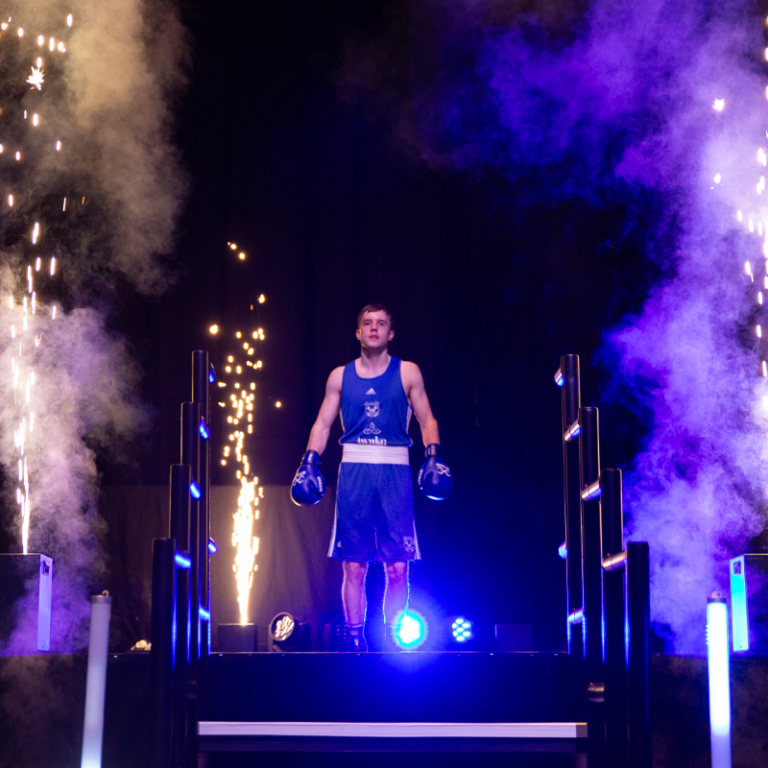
(376, 394)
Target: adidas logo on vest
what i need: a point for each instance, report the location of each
(371, 391)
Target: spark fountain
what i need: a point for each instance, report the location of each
(237, 386)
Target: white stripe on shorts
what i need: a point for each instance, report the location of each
(374, 454)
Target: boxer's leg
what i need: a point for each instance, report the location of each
(353, 592)
(396, 591)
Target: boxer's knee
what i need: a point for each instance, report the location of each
(355, 572)
(397, 573)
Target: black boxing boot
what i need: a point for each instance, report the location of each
(354, 639)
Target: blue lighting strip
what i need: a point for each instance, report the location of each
(212, 548)
(211, 374)
(562, 550)
(739, 618)
(205, 433)
(719, 682)
(204, 614)
(194, 489)
(183, 561)
(559, 378)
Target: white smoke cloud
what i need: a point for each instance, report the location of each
(109, 98)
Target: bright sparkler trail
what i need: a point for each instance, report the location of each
(33, 264)
(756, 221)
(237, 388)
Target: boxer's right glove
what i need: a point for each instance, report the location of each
(308, 484)
(435, 480)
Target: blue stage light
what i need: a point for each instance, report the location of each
(194, 489)
(719, 681)
(410, 630)
(204, 614)
(559, 378)
(204, 431)
(182, 560)
(211, 374)
(462, 629)
(212, 548)
(562, 550)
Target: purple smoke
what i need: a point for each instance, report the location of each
(608, 106)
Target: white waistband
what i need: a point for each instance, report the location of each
(374, 454)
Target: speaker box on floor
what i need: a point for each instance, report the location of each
(32, 576)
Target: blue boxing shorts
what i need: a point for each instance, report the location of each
(374, 507)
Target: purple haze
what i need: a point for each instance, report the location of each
(607, 105)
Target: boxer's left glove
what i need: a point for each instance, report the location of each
(308, 484)
(435, 479)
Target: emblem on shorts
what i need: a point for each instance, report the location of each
(371, 391)
(371, 430)
(372, 409)
(408, 543)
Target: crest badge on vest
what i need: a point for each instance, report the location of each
(372, 409)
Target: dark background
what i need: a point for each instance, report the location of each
(489, 283)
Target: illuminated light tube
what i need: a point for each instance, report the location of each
(194, 489)
(96, 681)
(559, 378)
(183, 561)
(572, 432)
(211, 374)
(205, 433)
(576, 617)
(204, 614)
(212, 548)
(719, 681)
(562, 550)
(591, 491)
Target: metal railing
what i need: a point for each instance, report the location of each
(607, 591)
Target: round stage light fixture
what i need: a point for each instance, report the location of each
(462, 629)
(410, 631)
(285, 632)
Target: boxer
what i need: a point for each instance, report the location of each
(376, 395)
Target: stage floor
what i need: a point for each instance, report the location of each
(42, 699)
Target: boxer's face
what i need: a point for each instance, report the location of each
(374, 331)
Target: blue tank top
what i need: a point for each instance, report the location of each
(375, 411)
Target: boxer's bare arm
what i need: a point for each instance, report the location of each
(413, 384)
(329, 410)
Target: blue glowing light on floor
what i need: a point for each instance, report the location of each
(411, 630)
(462, 629)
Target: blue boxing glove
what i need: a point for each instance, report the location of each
(308, 484)
(435, 480)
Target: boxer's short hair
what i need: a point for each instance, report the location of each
(374, 308)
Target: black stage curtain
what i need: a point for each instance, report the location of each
(489, 552)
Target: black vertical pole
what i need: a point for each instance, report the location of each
(612, 534)
(200, 395)
(638, 602)
(163, 652)
(179, 516)
(190, 454)
(570, 404)
(592, 581)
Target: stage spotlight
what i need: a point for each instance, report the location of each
(410, 631)
(462, 630)
(287, 634)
